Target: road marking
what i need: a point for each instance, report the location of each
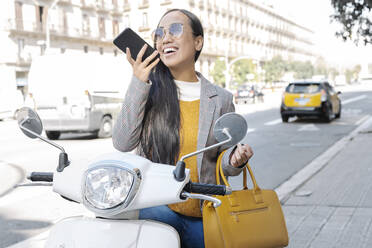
(353, 99)
(361, 120)
(250, 130)
(308, 127)
(274, 122)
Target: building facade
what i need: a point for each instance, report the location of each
(232, 28)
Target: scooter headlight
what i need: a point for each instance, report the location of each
(109, 188)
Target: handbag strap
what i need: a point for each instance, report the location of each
(219, 172)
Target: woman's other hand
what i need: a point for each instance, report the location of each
(241, 155)
(142, 69)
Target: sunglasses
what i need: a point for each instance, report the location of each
(175, 29)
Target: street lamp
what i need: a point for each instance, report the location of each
(228, 66)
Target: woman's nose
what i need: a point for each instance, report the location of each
(167, 37)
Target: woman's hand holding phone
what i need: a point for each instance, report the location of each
(142, 69)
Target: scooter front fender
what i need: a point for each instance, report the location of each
(84, 232)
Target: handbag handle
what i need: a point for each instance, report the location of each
(219, 171)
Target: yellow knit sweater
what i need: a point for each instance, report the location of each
(189, 111)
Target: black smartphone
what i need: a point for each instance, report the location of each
(129, 38)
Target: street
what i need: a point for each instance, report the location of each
(280, 150)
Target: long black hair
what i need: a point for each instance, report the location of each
(160, 139)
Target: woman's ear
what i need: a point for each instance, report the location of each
(199, 43)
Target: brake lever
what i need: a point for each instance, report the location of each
(216, 202)
(32, 184)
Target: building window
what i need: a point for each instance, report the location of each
(19, 15)
(115, 27)
(145, 23)
(40, 17)
(101, 26)
(86, 49)
(101, 50)
(64, 20)
(86, 25)
(126, 21)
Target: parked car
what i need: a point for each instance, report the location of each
(310, 98)
(73, 93)
(11, 99)
(248, 94)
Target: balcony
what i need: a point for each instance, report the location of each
(166, 2)
(201, 4)
(143, 5)
(88, 5)
(64, 2)
(24, 26)
(143, 29)
(116, 10)
(102, 7)
(127, 7)
(23, 59)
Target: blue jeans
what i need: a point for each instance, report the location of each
(190, 229)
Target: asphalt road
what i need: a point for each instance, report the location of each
(281, 149)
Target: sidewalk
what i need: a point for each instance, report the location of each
(334, 207)
(10, 175)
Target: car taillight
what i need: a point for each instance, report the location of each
(323, 97)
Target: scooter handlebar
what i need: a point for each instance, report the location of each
(207, 189)
(41, 177)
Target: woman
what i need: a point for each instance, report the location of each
(168, 112)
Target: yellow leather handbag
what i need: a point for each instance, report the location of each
(246, 218)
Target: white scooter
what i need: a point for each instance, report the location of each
(115, 186)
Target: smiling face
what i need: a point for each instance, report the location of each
(178, 52)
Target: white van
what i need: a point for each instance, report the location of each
(78, 93)
(11, 99)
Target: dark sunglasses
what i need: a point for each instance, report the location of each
(175, 29)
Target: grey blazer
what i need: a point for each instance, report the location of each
(214, 102)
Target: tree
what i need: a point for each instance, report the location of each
(218, 73)
(321, 67)
(303, 70)
(241, 69)
(274, 69)
(355, 19)
(333, 72)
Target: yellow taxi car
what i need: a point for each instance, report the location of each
(310, 98)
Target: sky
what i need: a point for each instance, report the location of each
(315, 14)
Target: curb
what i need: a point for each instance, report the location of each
(295, 181)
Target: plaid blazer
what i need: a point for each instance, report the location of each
(214, 102)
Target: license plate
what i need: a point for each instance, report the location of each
(302, 101)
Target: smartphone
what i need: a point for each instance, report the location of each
(129, 38)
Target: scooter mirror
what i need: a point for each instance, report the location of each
(30, 120)
(234, 124)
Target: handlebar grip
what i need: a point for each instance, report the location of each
(41, 176)
(207, 189)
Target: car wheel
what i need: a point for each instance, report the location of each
(285, 118)
(53, 135)
(105, 129)
(338, 115)
(328, 113)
